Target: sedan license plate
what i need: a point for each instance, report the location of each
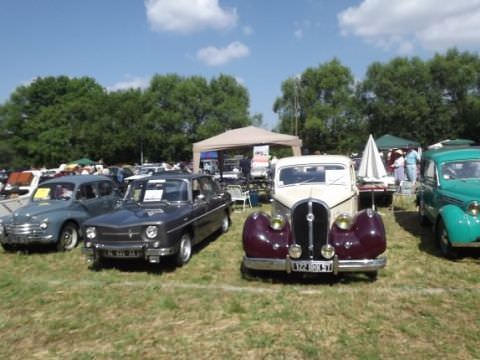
(122, 253)
(312, 266)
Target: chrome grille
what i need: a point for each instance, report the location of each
(31, 229)
(310, 222)
(123, 234)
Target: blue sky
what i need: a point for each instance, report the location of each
(122, 43)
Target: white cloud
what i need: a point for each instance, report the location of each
(240, 80)
(131, 82)
(247, 30)
(214, 56)
(187, 16)
(298, 33)
(402, 23)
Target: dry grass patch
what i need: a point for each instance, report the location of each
(422, 306)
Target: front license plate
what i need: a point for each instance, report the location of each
(122, 253)
(313, 266)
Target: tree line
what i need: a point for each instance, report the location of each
(57, 119)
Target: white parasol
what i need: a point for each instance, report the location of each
(371, 166)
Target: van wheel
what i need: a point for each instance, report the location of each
(422, 218)
(443, 241)
(68, 239)
(185, 251)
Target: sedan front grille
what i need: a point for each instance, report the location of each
(310, 222)
(124, 234)
(30, 229)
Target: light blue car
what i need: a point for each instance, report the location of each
(57, 210)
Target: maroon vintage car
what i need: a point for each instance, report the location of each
(315, 225)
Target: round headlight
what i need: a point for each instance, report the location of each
(328, 251)
(88, 244)
(151, 232)
(43, 225)
(473, 208)
(91, 232)
(344, 221)
(277, 222)
(295, 251)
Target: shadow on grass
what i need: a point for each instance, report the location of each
(409, 221)
(32, 249)
(274, 277)
(167, 263)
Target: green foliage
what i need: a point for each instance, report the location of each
(320, 106)
(57, 119)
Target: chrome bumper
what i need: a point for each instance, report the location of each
(150, 254)
(362, 265)
(27, 239)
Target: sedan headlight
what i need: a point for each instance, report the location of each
(473, 208)
(91, 232)
(277, 222)
(344, 221)
(295, 251)
(151, 232)
(44, 224)
(328, 251)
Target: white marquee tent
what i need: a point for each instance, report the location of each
(241, 138)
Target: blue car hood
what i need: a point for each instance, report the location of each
(41, 207)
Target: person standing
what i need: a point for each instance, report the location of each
(399, 167)
(411, 161)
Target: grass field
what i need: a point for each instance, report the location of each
(422, 306)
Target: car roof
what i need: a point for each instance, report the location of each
(314, 159)
(174, 175)
(77, 179)
(449, 154)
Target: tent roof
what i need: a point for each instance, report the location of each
(83, 162)
(243, 137)
(388, 141)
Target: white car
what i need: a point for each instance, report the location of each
(315, 225)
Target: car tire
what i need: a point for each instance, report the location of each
(185, 250)
(422, 218)
(372, 275)
(68, 238)
(443, 241)
(247, 274)
(225, 223)
(9, 247)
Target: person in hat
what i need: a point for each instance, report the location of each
(399, 166)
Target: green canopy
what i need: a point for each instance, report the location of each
(82, 162)
(387, 142)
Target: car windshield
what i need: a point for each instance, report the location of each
(55, 191)
(466, 169)
(156, 190)
(328, 174)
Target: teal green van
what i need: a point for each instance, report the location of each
(449, 197)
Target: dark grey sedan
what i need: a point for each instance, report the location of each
(162, 215)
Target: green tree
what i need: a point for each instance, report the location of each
(320, 106)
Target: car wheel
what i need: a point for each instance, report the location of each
(443, 241)
(422, 218)
(372, 275)
(68, 237)
(185, 251)
(225, 223)
(247, 273)
(9, 247)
